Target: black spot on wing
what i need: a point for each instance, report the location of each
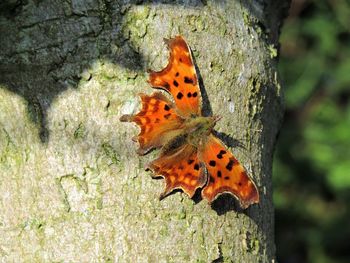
(166, 107)
(212, 163)
(188, 80)
(176, 84)
(167, 116)
(179, 95)
(219, 174)
(196, 166)
(220, 154)
(230, 164)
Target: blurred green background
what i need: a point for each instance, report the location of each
(312, 160)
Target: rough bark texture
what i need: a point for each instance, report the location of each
(72, 188)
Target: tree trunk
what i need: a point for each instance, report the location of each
(72, 188)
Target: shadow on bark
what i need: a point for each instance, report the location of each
(40, 57)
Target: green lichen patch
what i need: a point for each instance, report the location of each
(82, 193)
(250, 243)
(254, 23)
(110, 153)
(196, 23)
(33, 224)
(256, 97)
(136, 22)
(80, 131)
(108, 72)
(7, 147)
(74, 191)
(272, 51)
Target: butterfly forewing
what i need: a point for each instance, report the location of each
(179, 78)
(158, 121)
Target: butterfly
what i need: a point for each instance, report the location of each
(191, 156)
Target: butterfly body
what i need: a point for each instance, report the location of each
(191, 157)
(198, 128)
(194, 132)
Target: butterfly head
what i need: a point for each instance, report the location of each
(210, 122)
(216, 118)
(200, 126)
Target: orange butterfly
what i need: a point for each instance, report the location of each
(191, 156)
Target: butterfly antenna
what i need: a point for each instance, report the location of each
(217, 118)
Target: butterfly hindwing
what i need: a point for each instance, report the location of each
(179, 78)
(226, 174)
(181, 169)
(158, 121)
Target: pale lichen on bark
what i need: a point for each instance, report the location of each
(72, 188)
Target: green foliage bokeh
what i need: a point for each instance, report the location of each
(312, 161)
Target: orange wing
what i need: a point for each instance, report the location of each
(158, 121)
(226, 174)
(181, 170)
(179, 78)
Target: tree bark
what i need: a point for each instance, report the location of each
(72, 188)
